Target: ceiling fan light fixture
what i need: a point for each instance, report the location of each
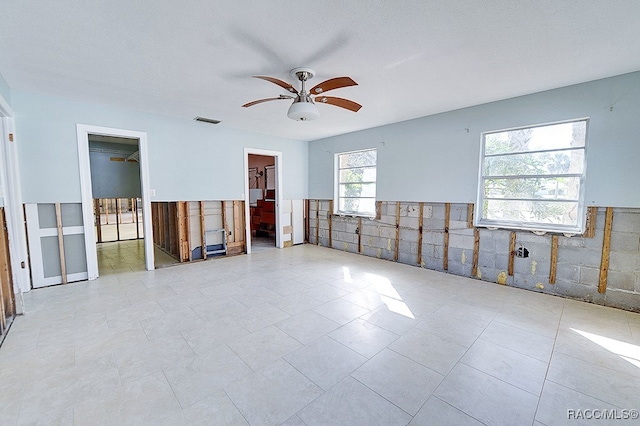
(303, 111)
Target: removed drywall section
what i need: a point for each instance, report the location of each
(218, 226)
(490, 255)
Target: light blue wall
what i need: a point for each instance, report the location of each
(436, 158)
(188, 160)
(5, 92)
(113, 179)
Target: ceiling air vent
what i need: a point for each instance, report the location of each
(207, 120)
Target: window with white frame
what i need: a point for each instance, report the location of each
(356, 182)
(533, 178)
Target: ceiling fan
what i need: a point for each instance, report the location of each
(304, 107)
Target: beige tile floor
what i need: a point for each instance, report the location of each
(312, 336)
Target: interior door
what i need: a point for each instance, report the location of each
(56, 243)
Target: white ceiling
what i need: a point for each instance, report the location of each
(411, 58)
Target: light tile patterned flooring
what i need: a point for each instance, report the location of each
(311, 336)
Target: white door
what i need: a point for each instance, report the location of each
(44, 243)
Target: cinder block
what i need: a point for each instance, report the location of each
(407, 258)
(582, 257)
(567, 272)
(412, 209)
(428, 212)
(409, 235)
(461, 241)
(579, 291)
(625, 241)
(574, 241)
(537, 251)
(458, 212)
(438, 252)
(531, 266)
(626, 220)
(409, 222)
(529, 238)
(621, 280)
(459, 226)
(433, 263)
(486, 259)
(389, 208)
(370, 251)
(589, 276)
(408, 247)
(388, 220)
(456, 255)
(338, 224)
(502, 262)
(487, 243)
(624, 261)
(433, 224)
(371, 230)
(594, 243)
(438, 212)
(428, 250)
(387, 232)
(458, 268)
(433, 237)
(623, 299)
(527, 282)
(345, 237)
(491, 275)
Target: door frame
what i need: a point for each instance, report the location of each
(10, 178)
(83, 132)
(278, 165)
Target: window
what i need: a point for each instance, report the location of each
(356, 182)
(533, 178)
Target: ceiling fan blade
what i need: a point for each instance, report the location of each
(332, 83)
(339, 102)
(259, 101)
(280, 83)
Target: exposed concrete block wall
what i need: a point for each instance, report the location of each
(578, 257)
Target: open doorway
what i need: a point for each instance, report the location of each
(137, 150)
(262, 201)
(117, 201)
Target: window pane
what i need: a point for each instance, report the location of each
(546, 163)
(545, 188)
(358, 205)
(543, 212)
(366, 174)
(357, 159)
(358, 190)
(554, 136)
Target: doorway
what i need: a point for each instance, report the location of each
(117, 192)
(128, 155)
(263, 199)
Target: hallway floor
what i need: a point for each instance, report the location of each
(312, 336)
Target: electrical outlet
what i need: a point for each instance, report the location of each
(522, 252)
